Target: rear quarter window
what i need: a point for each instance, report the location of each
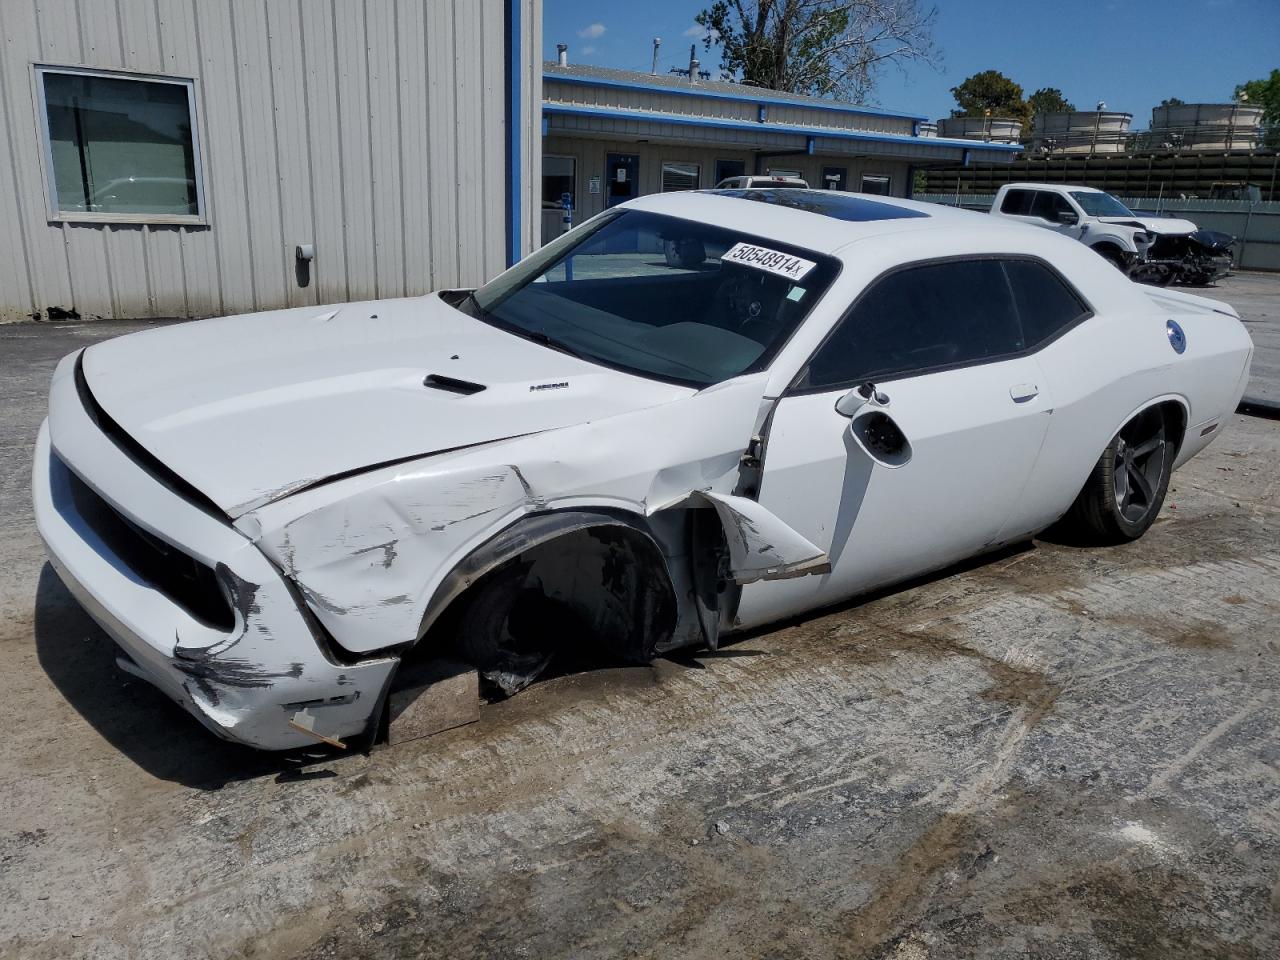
(1045, 304)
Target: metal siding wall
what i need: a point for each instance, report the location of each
(372, 130)
(442, 105)
(293, 135)
(200, 276)
(415, 145)
(36, 255)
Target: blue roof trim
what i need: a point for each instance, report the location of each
(753, 127)
(760, 96)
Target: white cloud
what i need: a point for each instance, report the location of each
(593, 32)
(700, 32)
(587, 51)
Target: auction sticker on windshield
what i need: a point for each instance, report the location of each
(772, 261)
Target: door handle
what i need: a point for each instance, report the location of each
(1022, 392)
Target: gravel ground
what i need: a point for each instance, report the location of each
(1055, 752)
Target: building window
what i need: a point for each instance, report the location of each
(730, 168)
(679, 176)
(120, 147)
(558, 178)
(835, 178)
(877, 184)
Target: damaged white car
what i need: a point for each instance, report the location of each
(693, 415)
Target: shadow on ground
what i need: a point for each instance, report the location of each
(161, 738)
(136, 719)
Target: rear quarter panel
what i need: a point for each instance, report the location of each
(1121, 361)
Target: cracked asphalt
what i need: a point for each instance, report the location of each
(1054, 752)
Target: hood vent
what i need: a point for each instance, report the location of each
(450, 385)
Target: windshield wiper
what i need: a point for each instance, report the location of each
(538, 336)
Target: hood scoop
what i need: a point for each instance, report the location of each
(463, 388)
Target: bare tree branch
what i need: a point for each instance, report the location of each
(821, 47)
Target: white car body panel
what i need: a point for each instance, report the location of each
(973, 448)
(350, 503)
(1172, 226)
(230, 404)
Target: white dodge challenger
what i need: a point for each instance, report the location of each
(694, 414)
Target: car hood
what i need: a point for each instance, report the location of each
(249, 409)
(1163, 226)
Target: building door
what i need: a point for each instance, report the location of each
(622, 171)
(835, 178)
(730, 168)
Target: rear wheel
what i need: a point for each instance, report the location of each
(1127, 487)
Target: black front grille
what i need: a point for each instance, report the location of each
(183, 579)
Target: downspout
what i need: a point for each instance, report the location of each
(515, 128)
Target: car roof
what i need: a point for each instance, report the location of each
(1066, 187)
(818, 220)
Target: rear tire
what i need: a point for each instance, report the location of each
(1127, 487)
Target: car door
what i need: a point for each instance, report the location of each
(1017, 204)
(1057, 213)
(944, 347)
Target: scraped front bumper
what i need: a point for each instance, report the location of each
(244, 663)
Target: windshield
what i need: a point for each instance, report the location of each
(1101, 205)
(659, 296)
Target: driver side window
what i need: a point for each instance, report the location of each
(920, 319)
(1048, 205)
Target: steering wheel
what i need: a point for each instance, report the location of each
(749, 302)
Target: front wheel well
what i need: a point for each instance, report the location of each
(1112, 251)
(601, 591)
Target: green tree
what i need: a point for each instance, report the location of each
(823, 48)
(990, 93)
(1049, 100)
(1173, 102)
(1265, 93)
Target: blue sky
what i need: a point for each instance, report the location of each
(1130, 54)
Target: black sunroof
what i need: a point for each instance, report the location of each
(828, 203)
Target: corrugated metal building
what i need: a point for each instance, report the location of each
(167, 157)
(609, 135)
(173, 157)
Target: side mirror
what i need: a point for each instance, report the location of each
(881, 438)
(872, 428)
(1068, 217)
(854, 400)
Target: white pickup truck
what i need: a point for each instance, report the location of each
(1155, 250)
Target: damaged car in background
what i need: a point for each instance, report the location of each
(693, 415)
(1152, 249)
